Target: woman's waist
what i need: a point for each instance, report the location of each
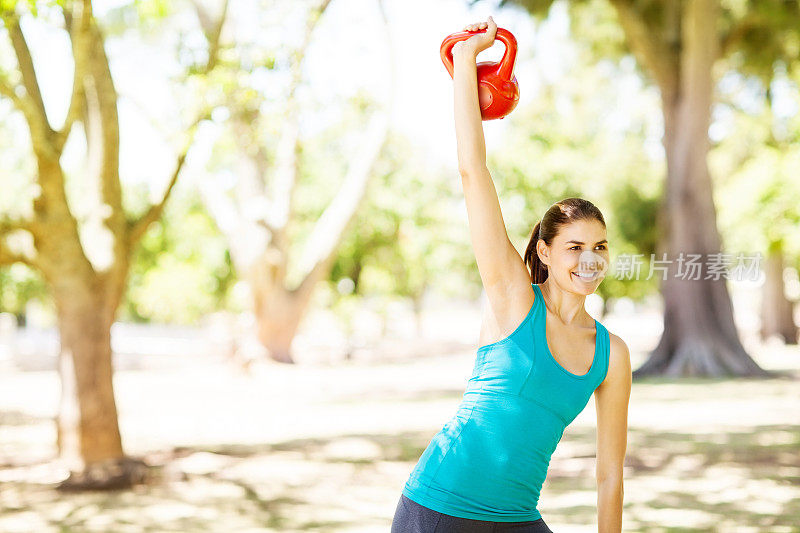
(486, 399)
(498, 420)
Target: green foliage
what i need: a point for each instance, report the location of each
(594, 22)
(182, 269)
(323, 166)
(410, 235)
(591, 21)
(18, 285)
(635, 216)
(761, 33)
(150, 18)
(153, 8)
(537, 8)
(754, 34)
(34, 7)
(8, 6)
(757, 190)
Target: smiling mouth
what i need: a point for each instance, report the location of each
(586, 276)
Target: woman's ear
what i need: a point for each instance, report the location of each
(543, 251)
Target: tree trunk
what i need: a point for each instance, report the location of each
(277, 331)
(278, 314)
(88, 432)
(417, 306)
(700, 337)
(776, 310)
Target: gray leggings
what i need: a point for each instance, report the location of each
(411, 517)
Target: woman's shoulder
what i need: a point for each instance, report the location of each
(618, 346)
(619, 359)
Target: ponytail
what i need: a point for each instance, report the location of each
(537, 268)
(559, 214)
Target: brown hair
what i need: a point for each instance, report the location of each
(559, 214)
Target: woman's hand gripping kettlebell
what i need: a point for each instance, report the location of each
(479, 42)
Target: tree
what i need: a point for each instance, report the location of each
(260, 218)
(759, 161)
(777, 316)
(679, 44)
(84, 259)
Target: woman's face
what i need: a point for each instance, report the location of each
(578, 257)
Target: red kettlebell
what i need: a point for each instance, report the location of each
(498, 90)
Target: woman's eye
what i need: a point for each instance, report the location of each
(602, 246)
(576, 246)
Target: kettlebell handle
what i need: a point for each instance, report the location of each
(506, 70)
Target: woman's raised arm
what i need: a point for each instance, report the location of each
(501, 268)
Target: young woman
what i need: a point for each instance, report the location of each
(541, 357)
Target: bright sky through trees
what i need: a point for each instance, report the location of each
(348, 53)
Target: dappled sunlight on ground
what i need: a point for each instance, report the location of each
(327, 447)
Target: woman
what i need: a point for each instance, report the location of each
(541, 358)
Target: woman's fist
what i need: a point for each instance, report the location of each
(479, 42)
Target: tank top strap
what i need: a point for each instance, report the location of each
(604, 351)
(538, 303)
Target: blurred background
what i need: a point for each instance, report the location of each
(237, 290)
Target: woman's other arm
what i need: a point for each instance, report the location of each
(611, 402)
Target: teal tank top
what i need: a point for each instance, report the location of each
(490, 459)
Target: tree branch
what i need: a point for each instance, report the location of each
(101, 123)
(330, 227)
(659, 57)
(212, 30)
(286, 169)
(25, 62)
(7, 225)
(223, 210)
(17, 95)
(154, 212)
(79, 36)
(7, 256)
(139, 227)
(25, 96)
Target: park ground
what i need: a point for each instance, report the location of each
(326, 445)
